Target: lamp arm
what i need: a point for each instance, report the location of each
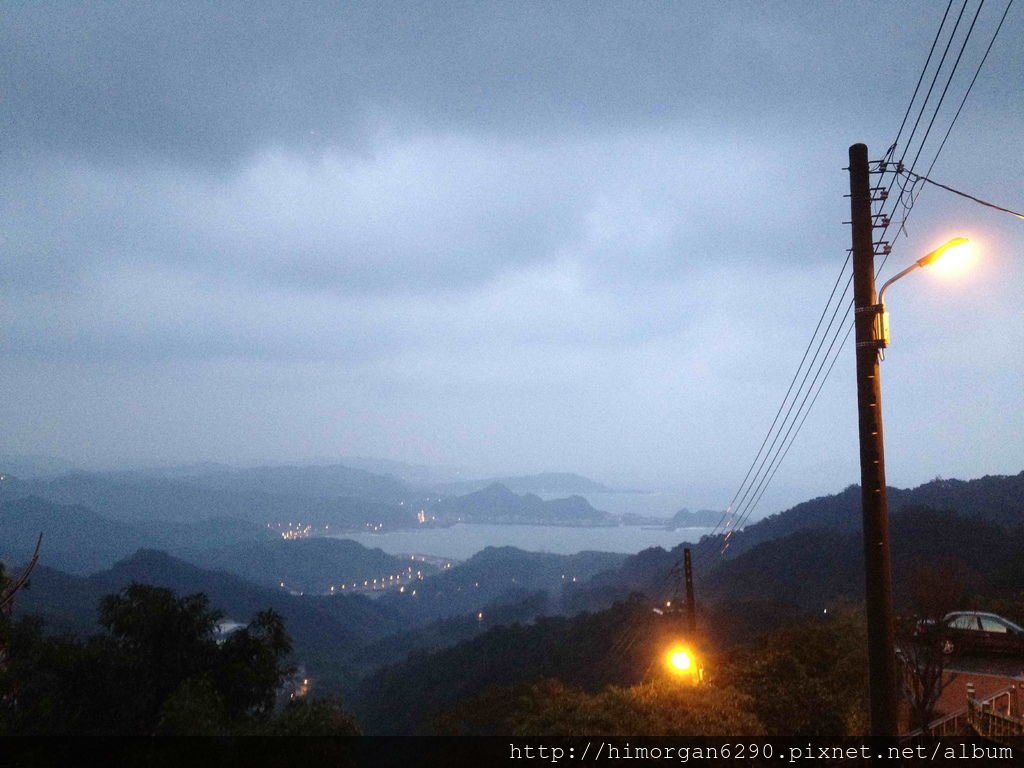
(894, 278)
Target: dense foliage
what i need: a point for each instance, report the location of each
(807, 680)
(549, 708)
(160, 667)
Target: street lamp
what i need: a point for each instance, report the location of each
(683, 664)
(872, 336)
(956, 250)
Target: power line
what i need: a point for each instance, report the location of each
(920, 78)
(785, 397)
(969, 87)
(773, 458)
(949, 80)
(780, 454)
(921, 111)
(908, 208)
(916, 177)
(744, 512)
(806, 413)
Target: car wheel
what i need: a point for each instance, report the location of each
(947, 647)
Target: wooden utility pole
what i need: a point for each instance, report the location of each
(691, 603)
(877, 563)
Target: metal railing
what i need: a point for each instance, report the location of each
(1002, 704)
(993, 719)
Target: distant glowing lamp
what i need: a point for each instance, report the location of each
(682, 663)
(679, 660)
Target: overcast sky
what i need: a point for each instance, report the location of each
(516, 237)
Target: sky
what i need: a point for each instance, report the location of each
(512, 237)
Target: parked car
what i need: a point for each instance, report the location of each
(973, 632)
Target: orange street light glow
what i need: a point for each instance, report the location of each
(679, 660)
(950, 258)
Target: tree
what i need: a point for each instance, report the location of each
(935, 589)
(806, 680)
(314, 717)
(196, 708)
(549, 708)
(250, 669)
(158, 668)
(163, 640)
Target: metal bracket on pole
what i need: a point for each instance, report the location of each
(881, 326)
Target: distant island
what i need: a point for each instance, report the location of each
(498, 504)
(545, 483)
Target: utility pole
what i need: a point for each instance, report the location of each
(691, 603)
(877, 563)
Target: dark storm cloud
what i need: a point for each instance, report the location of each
(535, 236)
(212, 83)
(428, 215)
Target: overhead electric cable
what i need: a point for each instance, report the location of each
(782, 405)
(806, 413)
(949, 80)
(918, 177)
(754, 491)
(740, 511)
(927, 98)
(920, 78)
(969, 87)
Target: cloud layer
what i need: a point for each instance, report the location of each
(559, 236)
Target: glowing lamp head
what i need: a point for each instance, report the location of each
(679, 660)
(951, 256)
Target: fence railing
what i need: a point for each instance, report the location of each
(1002, 704)
(997, 717)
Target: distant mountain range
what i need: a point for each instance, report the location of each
(813, 552)
(337, 637)
(281, 496)
(134, 497)
(78, 540)
(324, 629)
(340, 497)
(994, 498)
(29, 467)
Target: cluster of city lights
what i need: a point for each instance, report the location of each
(291, 531)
